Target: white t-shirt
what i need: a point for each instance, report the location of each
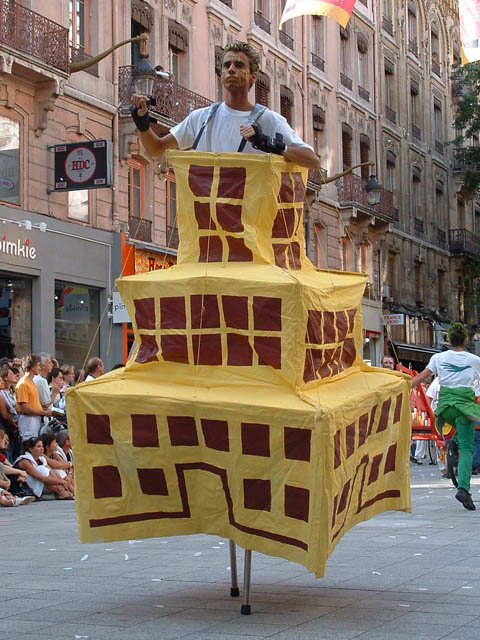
(455, 368)
(43, 389)
(222, 134)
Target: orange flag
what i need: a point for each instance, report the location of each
(470, 30)
(339, 10)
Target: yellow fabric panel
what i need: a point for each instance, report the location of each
(245, 409)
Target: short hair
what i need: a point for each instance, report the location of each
(44, 357)
(457, 334)
(67, 369)
(54, 373)
(92, 364)
(244, 47)
(31, 361)
(47, 439)
(62, 437)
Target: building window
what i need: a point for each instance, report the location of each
(285, 34)
(346, 147)
(461, 212)
(286, 104)
(318, 42)
(437, 126)
(79, 205)
(10, 176)
(76, 322)
(344, 53)
(364, 156)
(387, 9)
(415, 198)
(440, 211)
(362, 60)
(414, 110)
(177, 46)
(262, 89)
(318, 121)
(136, 189)
(15, 316)
(390, 102)
(391, 172)
(171, 213)
(412, 28)
(78, 16)
(435, 45)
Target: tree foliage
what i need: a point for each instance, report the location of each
(466, 90)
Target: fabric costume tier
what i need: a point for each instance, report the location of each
(246, 410)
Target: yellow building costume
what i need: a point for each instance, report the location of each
(246, 410)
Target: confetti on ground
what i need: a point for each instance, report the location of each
(78, 637)
(199, 553)
(84, 558)
(423, 537)
(422, 589)
(224, 543)
(41, 543)
(418, 554)
(228, 569)
(67, 568)
(216, 547)
(160, 606)
(52, 549)
(392, 536)
(163, 541)
(156, 579)
(126, 557)
(108, 549)
(467, 587)
(404, 605)
(376, 573)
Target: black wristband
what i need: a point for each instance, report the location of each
(264, 143)
(141, 122)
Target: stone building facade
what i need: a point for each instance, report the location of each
(378, 91)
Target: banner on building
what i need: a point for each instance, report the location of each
(339, 10)
(469, 11)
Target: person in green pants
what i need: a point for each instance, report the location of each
(457, 369)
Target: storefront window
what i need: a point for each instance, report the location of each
(76, 321)
(15, 316)
(9, 161)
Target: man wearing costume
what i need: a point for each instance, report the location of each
(232, 125)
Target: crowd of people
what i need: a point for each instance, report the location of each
(36, 459)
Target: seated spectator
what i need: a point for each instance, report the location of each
(63, 468)
(40, 477)
(31, 411)
(7, 413)
(17, 477)
(6, 498)
(64, 446)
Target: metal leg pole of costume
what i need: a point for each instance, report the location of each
(247, 574)
(234, 591)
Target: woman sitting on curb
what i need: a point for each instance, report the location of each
(456, 370)
(40, 478)
(63, 468)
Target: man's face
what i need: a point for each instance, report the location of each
(100, 369)
(47, 366)
(236, 71)
(388, 362)
(36, 368)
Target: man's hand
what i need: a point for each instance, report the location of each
(247, 131)
(139, 111)
(263, 142)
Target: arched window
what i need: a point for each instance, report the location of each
(262, 89)
(364, 156)
(318, 121)
(435, 48)
(390, 182)
(347, 155)
(286, 104)
(412, 27)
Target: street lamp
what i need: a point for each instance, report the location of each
(143, 75)
(373, 189)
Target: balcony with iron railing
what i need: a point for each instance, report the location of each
(34, 35)
(418, 225)
(351, 191)
(387, 25)
(436, 68)
(464, 243)
(172, 237)
(416, 132)
(390, 114)
(262, 22)
(442, 238)
(439, 147)
(140, 229)
(346, 81)
(172, 101)
(364, 94)
(79, 55)
(318, 62)
(317, 177)
(285, 39)
(466, 159)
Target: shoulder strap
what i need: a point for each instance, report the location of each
(210, 114)
(255, 114)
